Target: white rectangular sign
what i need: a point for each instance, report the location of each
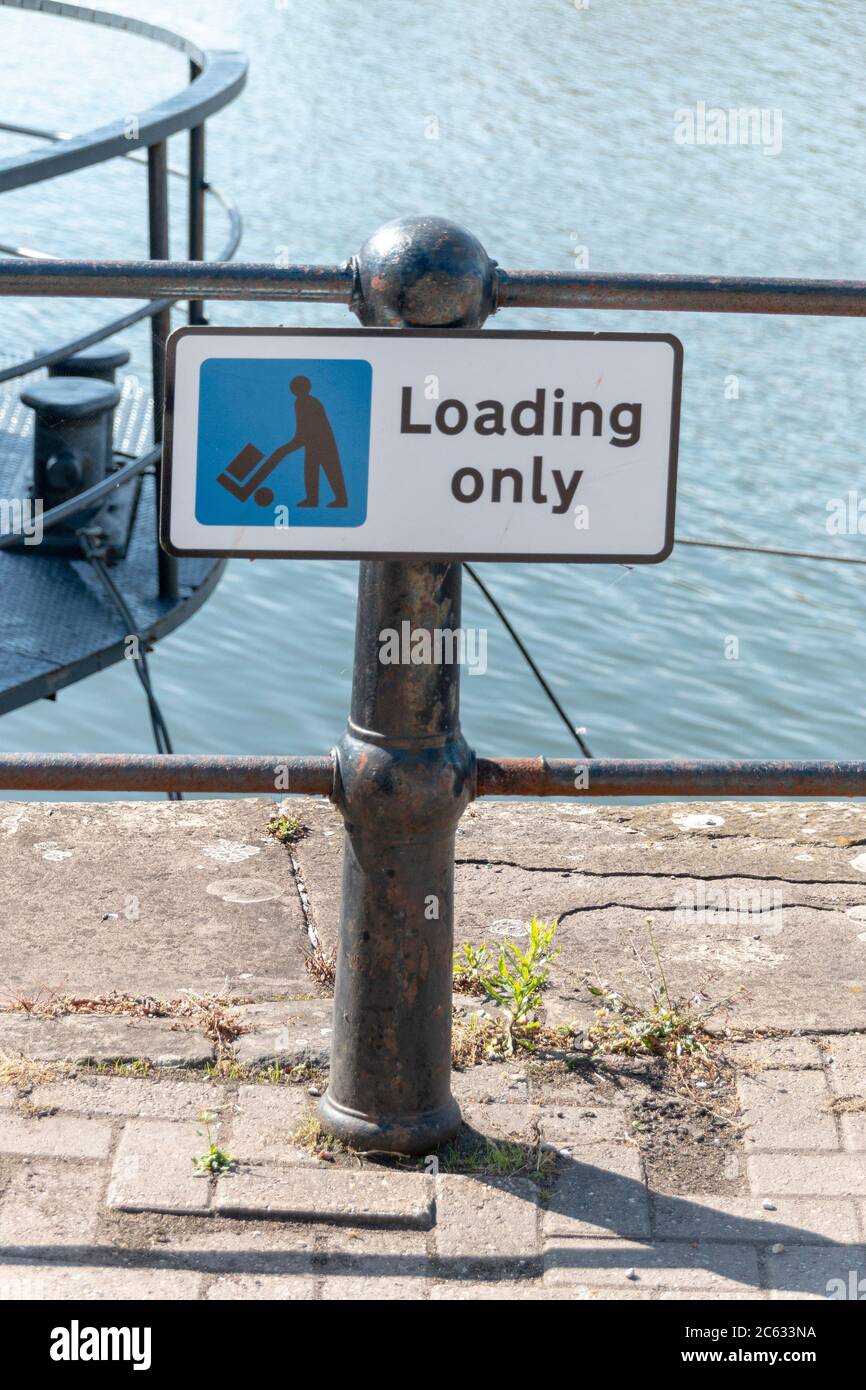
(378, 443)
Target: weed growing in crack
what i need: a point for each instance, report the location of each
(310, 1135)
(22, 1073)
(322, 966)
(667, 1027)
(500, 1159)
(514, 980)
(471, 964)
(214, 1160)
(287, 829)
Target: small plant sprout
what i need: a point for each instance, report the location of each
(667, 1027)
(514, 981)
(214, 1160)
(470, 967)
(287, 829)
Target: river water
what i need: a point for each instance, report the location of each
(551, 132)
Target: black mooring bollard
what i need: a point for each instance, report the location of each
(405, 774)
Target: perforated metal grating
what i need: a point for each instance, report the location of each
(56, 624)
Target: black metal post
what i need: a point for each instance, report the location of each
(197, 188)
(405, 774)
(158, 248)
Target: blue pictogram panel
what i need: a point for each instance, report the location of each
(283, 443)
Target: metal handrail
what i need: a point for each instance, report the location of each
(332, 284)
(713, 294)
(315, 776)
(337, 284)
(117, 325)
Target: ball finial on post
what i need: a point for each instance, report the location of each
(423, 272)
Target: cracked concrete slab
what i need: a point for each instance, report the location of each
(761, 902)
(147, 897)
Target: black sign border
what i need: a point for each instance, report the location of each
(214, 329)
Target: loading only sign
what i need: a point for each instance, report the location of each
(382, 443)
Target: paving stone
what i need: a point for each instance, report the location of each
(823, 1272)
(571, 1011)
(56, 1136)
(103, 1039)
(807, 1174)
(390, 1264)
(586, 1088)
(296, 1033)
(48, 1203)
(511, 1291)
(132, 1097)
(95, 1282)
(153, 1169)
(274, 1287)
(787, 1110)
(854, 1131)
(699, 1296)
(271, 1249)
(486, 1218)
(846, 1064)
(374, 1288)
(600, 1192)
(786, 1053)
(264, 1121)
(311, 1194)
(467, 1007)
(492, 1082)
(18, 1284)
(576, 1126)
(662, 1265)
(795, 1220)
(500, 1121)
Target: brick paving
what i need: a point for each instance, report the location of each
(98, 1196)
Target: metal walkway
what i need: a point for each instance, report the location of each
(56, 623)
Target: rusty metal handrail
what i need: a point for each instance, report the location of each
(163, 772)
(691, 777)
(713, 294)
(314, 776)
(155, 279)
(337, 284)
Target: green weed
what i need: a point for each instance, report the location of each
(287, 829)
(214, 1160)
(666, 1027)
(514, 981)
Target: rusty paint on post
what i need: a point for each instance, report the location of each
(405, 772)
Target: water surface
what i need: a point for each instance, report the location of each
(554, 131)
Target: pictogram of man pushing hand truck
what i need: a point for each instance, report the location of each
(245, 475)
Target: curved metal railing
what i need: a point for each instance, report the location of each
(124, 321)
(216, 78)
